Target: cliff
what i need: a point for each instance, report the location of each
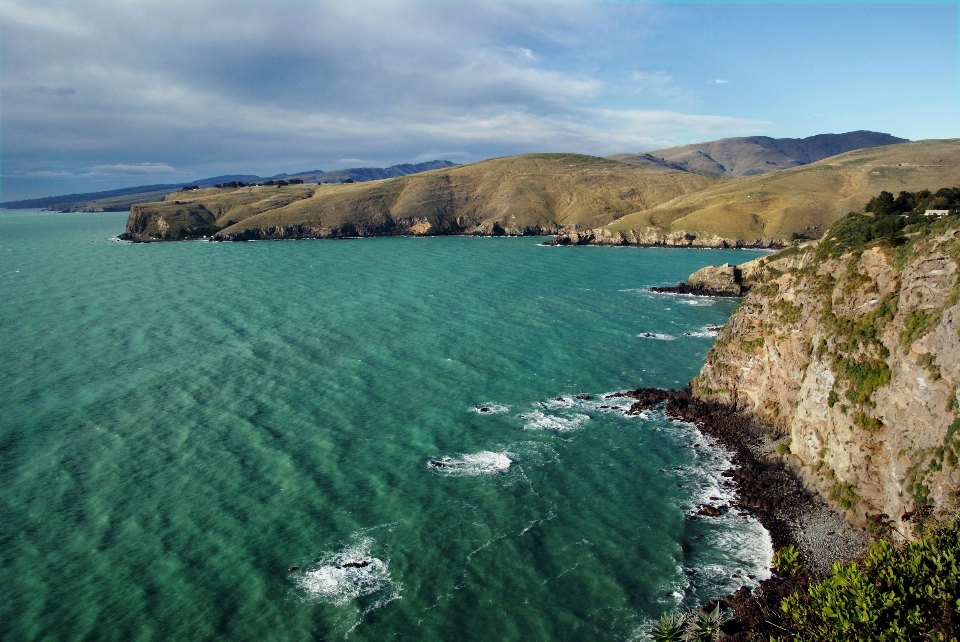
(851, 355)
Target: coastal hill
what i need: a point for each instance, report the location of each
(120, 200)
(583, 199)
(755, 154)
(531, 194)
(784, 206)
(848, 350)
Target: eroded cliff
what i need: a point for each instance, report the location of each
(852, 356)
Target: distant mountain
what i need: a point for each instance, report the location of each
(121, 199)
(755, 154)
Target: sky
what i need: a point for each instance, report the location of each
(99, 94)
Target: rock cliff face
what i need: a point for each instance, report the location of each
(655, 236)
(853, 358)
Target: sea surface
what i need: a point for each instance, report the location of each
(182, 423)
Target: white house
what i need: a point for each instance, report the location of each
(937, 213)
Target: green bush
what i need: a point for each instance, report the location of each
(669, 628)
(896, 593)
(787, 561)
(918, 325)
(863, 377)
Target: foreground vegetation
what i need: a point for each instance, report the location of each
(896, 593)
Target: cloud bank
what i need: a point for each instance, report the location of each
(114, 93)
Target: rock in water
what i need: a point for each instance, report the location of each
(722, 279)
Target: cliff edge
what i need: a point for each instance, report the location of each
(850, 353)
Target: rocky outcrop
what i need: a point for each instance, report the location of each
(658, 237)
(719, 281)
(854, 358)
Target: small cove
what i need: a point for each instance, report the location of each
(181, 423)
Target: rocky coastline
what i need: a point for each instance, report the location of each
(770, 490)
(767, 487)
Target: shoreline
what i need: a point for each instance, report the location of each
(766, 486)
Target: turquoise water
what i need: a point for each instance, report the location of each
(181, 423)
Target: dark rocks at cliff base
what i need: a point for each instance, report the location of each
(697, 290)
(362, 564)
(766, 488)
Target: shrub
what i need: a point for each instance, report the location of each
(787, 561)
(895, 593)
(844, 494)
(669, 628)
(863, 377)
(918, 325)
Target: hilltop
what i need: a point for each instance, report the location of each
(754, 155)
(783, 206)
(120, 200)
(530, 194)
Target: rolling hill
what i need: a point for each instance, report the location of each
(530, 194)
(755, 154)
(795, 203)
(120, 200)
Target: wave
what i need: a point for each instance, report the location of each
(743, 545)
(656, 335)
(706, 331)
(482, 463)
(491, 409)
(350, 573)
(537, 420)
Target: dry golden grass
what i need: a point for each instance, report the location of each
(804, 200)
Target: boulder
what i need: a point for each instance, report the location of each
(718, 278)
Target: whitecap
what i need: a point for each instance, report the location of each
(699, 302)
(481, 463)
(491, 409)
(706, 331)
(656, 335)
(351, 573)
(537, 420)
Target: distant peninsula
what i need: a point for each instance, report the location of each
(582, 200)
(120, 200)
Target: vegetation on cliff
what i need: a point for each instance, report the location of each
(849, 349)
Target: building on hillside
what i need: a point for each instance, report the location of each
(937, 213)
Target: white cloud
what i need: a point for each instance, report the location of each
(720, 81)
(140, 168)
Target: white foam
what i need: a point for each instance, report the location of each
(537, 420)
(334, 580)
(698, 302)
(656, 335)
(482, 463)
(706, 331)
(491, 409)
(742, 543)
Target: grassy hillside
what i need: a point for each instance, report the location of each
(755, 155)
(802, 202)
(535, 193)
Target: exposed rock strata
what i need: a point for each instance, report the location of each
(659, 237)
(721, 281)
(855, 359)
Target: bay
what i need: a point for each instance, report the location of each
(181, 423)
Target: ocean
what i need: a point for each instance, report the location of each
(419, 425)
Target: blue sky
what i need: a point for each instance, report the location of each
(98, 95)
